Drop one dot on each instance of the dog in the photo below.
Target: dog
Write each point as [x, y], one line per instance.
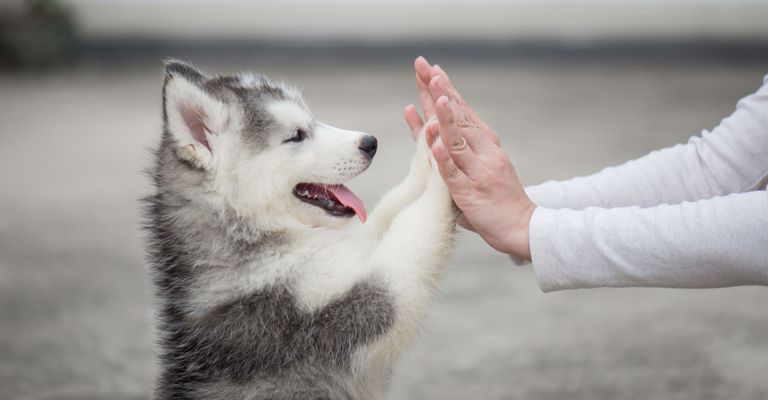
[267, 286]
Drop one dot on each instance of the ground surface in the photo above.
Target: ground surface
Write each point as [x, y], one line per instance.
[74, 299]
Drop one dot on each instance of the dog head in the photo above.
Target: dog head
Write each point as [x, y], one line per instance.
[250, 146]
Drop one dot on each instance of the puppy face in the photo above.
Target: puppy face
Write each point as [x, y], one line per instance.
[252, 146]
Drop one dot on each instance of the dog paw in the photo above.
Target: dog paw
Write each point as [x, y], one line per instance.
[436, 184]
[423, 149]
[420, 163]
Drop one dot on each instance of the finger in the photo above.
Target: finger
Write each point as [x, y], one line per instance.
[448, 89]
[437, 88]
[465, 126]
[456, 181]
[427, 104]
[422, 68]
[463, 156]
[432, 132]
[468, 128]
[452, 92]
[413, 119]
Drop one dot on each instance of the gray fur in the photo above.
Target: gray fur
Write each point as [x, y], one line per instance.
[251, 98]
[260, 345]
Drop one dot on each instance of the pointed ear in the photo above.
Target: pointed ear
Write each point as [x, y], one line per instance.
[174, 67]
[193, 117]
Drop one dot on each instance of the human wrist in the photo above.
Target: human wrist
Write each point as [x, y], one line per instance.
[518, 239]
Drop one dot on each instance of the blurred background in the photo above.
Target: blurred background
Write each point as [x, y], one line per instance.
[572, 86]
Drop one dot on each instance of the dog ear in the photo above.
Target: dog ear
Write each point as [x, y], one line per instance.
[193, 117]
[174, 67]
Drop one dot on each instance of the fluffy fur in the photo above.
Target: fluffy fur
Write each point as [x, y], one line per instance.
[261, 295]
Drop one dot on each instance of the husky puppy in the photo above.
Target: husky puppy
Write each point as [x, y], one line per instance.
[267, 286]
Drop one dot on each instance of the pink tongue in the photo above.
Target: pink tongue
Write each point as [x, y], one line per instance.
[349, 199]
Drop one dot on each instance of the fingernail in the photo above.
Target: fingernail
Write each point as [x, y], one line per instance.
[439, 83]
[421, 58]
[443, 100]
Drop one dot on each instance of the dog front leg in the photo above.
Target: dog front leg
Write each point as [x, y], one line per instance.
[413, 252]
[406, 192]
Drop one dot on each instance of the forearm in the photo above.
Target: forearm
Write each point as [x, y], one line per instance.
[709, 243]
[730, 159]
[665, 176]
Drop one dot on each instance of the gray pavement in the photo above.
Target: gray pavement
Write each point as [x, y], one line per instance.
[74, 298]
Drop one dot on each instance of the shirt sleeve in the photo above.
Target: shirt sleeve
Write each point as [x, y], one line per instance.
[722, 241]
[732, 158]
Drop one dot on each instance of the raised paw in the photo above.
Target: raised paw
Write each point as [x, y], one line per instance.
[422, 161]
[437, 189]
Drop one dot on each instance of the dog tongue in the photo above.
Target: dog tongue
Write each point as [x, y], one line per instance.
[349, 199]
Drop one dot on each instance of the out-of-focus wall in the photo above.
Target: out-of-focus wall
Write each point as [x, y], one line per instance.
[403, 20]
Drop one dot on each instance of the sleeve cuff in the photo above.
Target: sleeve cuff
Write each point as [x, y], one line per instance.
[540, 232]
[547, 257]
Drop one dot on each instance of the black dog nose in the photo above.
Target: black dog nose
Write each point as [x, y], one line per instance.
[368, 145]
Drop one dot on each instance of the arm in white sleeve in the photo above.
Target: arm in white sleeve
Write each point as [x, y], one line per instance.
[717, 242]
[732, 158]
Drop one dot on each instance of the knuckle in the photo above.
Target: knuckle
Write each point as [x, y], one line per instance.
[459, 145]
[499, 160]
[465, 121]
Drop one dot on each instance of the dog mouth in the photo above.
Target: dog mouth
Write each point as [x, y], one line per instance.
[336, 200]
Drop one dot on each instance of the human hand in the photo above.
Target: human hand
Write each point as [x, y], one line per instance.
[480, 176]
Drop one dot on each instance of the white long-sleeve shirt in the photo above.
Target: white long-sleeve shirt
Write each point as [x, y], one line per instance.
[694, 215]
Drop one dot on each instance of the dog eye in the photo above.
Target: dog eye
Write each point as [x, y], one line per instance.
[299, 135]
